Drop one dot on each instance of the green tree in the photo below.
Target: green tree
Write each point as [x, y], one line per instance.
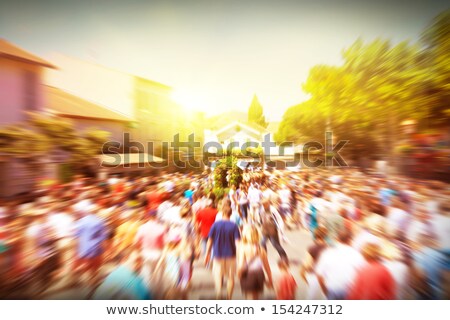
[377, 86]
[256, 113]
[436, 65]
[43, 134]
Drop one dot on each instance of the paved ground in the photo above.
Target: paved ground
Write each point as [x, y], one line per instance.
[202, 281]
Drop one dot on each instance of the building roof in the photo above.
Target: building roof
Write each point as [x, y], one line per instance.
[66, 104]
[256, 126]
[10, 51]
[218, 121]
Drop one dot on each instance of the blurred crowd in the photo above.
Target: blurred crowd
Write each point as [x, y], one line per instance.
[369, 237]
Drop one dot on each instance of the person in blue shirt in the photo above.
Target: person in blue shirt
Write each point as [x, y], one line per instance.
[91, 233]
[432, 264]
[223, 239]
[386, 193]
[189, 194]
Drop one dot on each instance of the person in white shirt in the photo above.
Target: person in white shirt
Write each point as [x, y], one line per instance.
[254, 198]
[285, 196]
[397, 217]
[200, 202]
[337, 267]
[163, 207]
[233, 198]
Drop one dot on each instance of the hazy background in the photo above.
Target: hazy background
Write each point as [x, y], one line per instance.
[217, 53]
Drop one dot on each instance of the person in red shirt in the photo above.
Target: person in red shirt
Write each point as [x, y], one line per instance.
[154, 199]
[287, 286]
[373, 281]
[204, 219]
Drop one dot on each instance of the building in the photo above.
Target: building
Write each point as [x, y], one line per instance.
[85, 114]
[239, 134]
[21, 91]
[21, 75]
[155, 117]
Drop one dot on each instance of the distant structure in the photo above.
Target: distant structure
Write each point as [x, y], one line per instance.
[21, 91]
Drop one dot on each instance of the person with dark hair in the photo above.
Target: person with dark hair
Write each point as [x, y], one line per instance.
[272, 226]
[223, 238]
[253, 264]
[204, 219]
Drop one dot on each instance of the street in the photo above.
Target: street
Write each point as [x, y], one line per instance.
[202, 280]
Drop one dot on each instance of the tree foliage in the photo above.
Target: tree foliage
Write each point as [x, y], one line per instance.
[377, 86]
[227, 166]
[256, 113]
[43, 134]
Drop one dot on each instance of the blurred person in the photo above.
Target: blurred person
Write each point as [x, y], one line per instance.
[169, 267]
[318, 208]
[204, 220]
[253, 264]
[169, 186]
[373, 281]
[337, 267]
[243, 202]
[284, 193]
[223, 239]
[169, 202]
[189, 194]
[17, 250]
[171, 215]
[200, 201]
[386, 192]
[371, 229]
[420, 224]
[272, 228]
[397, 217]
[150, 240]
[428, 268]
[124, 282]
[90, 233]
[35, 220]
[42, 256]
[126, 232]
[254, 197]
[154, 198]
[269, 193]
[394, 262]
[235, 217]
[233, 197]
[190, 250]
[334, 222]
[304, 211]
[286, 284]
[63, 225]
[307, 270]
[440, 223]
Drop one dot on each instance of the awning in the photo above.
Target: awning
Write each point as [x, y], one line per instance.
[128, 158]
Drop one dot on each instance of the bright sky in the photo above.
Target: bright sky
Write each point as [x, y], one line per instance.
[216, 54]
